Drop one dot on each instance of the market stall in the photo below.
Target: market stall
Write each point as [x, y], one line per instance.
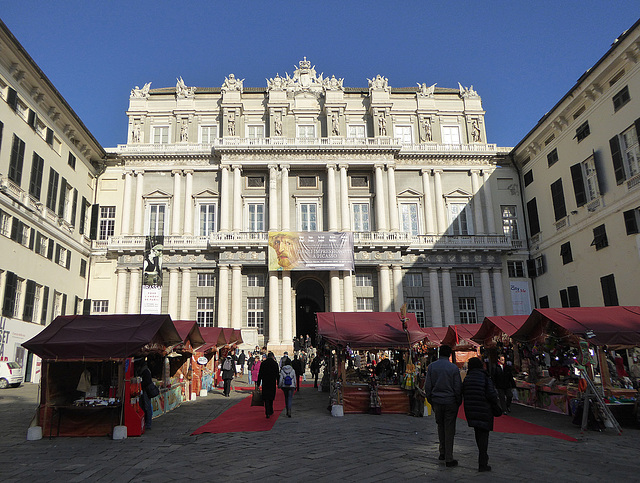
[185, 362]
[459, 338]
[206, 356]
[381, 332]
[89, 384]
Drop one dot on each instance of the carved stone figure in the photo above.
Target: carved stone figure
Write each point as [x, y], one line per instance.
[335, 125]
[231, 124]
[427, 135]
[382, 125]
[275, 84]
[425, 91]
[475, 131]
[144, 92]
[467, 92]
[184, 132]
[277, 125]
[379, 83]
[232, 84]
[182, 91]
[136, 133]
[333, 84]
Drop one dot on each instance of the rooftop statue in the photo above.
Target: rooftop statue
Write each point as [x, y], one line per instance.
[379, 83]
[232, 84]
[144, 92]
[424, 91]
[467, 92]
[182, 91]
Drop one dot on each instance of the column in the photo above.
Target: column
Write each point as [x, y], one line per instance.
[397, 287]
[477, 202]
[126, 204]
[287, 320]
[498, 289]
[331, 198]
[447, 297]
[236, 296]
[347, 282]
[139, 204]
[434, 293]
[237, 198]
[384, 288]
[428, 200]
[285, 224]
[486, 188]
[223, 296]
[134, 291]
[485, 285]
[393, 199]
[441, 219]
[273, 198]
[175, 212]
[334, 278]
[121, 290]
[344, 199]
[274, 319]
[188, 204]
[381, 219]
[225, 196]
[174, 277]
[185, 296]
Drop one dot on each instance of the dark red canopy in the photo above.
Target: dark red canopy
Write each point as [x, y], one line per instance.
[492, 326]
[370, 330]
[461, 334]
[435, 334]
[103, 336]
[612, 326]
[214, 337]
[189, 330]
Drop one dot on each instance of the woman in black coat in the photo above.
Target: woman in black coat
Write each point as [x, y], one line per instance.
[479, 394]
[268, 376]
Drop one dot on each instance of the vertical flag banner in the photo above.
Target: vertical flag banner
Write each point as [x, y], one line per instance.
[151, 298]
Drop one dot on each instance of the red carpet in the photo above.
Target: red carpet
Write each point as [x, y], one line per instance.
[509, 424]
[243, 417]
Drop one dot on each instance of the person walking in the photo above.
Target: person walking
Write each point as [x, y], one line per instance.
[228, 373]
[250, 361]
[297, 367]
[315, 369]
[255, 368]
[443, 390]
[241, 359]
[503, 381]
[287, 383]
[479, 395]
[268, 377]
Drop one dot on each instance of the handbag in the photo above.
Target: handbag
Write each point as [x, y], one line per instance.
[152, 390]
[256, 398]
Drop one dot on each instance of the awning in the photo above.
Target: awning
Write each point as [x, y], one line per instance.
[496, 325]
[189, 331]
[370, 330]
[214, 338]
[103, 336]
[461, 335]
[435, 335]
[612, 326]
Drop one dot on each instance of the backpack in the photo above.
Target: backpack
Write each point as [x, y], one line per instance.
[227, 365]
[287, 380]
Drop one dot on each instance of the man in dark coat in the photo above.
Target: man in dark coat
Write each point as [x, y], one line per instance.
[297, 367]
[228, 373]
[268, 377]
[479, 394]
[503, 381]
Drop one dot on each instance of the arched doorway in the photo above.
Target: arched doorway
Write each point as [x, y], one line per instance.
[309, 300]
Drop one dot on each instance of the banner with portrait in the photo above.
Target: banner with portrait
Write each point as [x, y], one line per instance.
[151, 297]
[310, 250]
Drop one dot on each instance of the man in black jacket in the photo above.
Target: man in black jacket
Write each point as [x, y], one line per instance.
[503, 381]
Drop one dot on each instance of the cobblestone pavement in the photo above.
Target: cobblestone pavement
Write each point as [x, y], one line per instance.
[310, 446]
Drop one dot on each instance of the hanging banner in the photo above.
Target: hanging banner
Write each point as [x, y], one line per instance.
[520, 300]
[151, 298]
[310, 250]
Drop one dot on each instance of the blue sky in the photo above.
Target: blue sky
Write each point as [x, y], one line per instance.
[521, 57]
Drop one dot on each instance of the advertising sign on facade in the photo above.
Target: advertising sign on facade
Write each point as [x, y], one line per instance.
[151, 298]
[520, 301]
[314, 250]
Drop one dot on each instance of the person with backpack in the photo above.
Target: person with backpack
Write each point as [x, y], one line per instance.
[287, 383]
[228, 373]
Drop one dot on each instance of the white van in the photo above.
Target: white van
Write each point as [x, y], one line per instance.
[10, 374]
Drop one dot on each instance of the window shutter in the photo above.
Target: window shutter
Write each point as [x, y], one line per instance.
[609, 292]
[45, 302]
[32, 119]
[15, 229]
[32, 238]
[531, 268]
[63, 192]
[544, 302]
[58, 249]
[95, 214]
[9, 294]
[16, 161]
[38, 242]
[630, 222]
[574, 298]
[83, 214]
[49, 137]
[50, 250]
[35, 183]
[74, 206]
[557, 195]
[30, 294]
[578, 184]
[532, 212]
[63, 309]
[52, 193]
[616, 157]
[68, 264]
[12, 98]
[86, 307]
[637, 125]
[75, 305]
[564, 298]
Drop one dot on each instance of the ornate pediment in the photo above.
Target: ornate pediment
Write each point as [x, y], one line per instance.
[158, 194]
[458, 193]
[305, 80]
[206, 194]
[409, 193]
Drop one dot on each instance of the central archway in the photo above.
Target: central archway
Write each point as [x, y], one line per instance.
[309, 300]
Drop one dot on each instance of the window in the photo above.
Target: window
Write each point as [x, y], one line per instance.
[308, 213]
[600, 237]
[255, 181]
[255, 280]
[208, 134]
[359, 181]
[307, 182]
[621, 98]
[515, 268]
[510, 221]
[572, 294]
[18, 298]
[4, 223]
[255, 313]
[632, 221]
[416, 306]
[565, 253]
[557, 196]
[35, 181]
[52, 192]
[84, 218]
[9, 296]
[583, 131]
[207, 219]
[107, 222]
[160, 135]
[360, 216]
[72, 161]
[629, 152]
[364, 280]
[204, 313]
[528, 178]
[564, 298]
[413, 279]
[206, 279]
[403, 134]
[536, 266]
[12, 98]
[29, 300]
[467, 306]
[83, 268]
[464, 279]
[99, 306]
[64, 207]
[585, 181]
[255, 217]
[532, 212]
[552, 157]
[544, 302]
[409, 218]
[364, 304]
[41, 244]
[16, 161]
[459, 222]
[450, 135]
[609, 292]
[306, 131]
[357, 131]
[156, 218]
[63, 256]
[255, 131]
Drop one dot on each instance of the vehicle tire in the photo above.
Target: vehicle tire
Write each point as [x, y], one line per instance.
[17, 384]
[4, 383]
